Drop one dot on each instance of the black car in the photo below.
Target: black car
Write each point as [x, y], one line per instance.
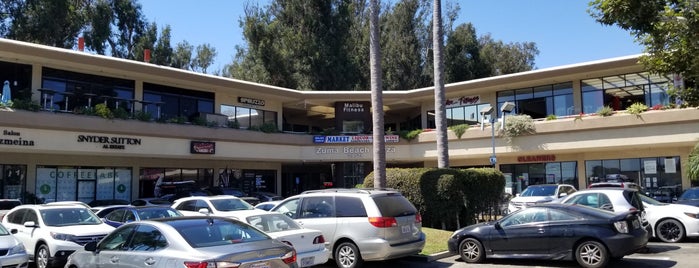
[553, 231]
[689, 197]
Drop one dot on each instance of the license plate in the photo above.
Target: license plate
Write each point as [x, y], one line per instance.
[260, 265]
[307, 261]
[405, 229]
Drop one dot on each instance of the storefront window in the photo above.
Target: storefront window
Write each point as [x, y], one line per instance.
[61, 183]
[621, 91]
[160, 181]
[520, 176]
[12, 181]
[75, 90]
[541, 101]
[469, 114]
[248, 117]
[176, 102]
[649, 173]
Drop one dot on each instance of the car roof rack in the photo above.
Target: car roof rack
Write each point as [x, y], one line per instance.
[347, 190]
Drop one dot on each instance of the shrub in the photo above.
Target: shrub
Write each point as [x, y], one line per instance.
[410, 135]
[121, 113]
[199, 121]
[233, 124]
[103, 111]
[605, 111]
[26, 104]
[143, 116]
[178, 120]
[637, 108]
[459, 130]
[551, 117]
[517, 125]
[268, 128]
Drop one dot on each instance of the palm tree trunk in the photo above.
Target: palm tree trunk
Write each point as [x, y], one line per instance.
[379, 142]
[439, 94]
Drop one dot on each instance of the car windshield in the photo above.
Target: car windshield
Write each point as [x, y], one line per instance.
[3, 231]
[230, 204]
[155, 213]
[69, 216]
[651, 201]
[690, 194]
[271, 223]
[217, 232]
[540, 190]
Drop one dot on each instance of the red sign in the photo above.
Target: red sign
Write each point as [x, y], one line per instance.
[202, 147]
[537, 158]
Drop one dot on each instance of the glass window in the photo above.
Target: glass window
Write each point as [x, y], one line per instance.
[289, 208]
[530, 215]
[117, 239]
[12, 181]
[352, 126]
[317, 207]
[147, 238]
[349, 207]
[117, 215]
[541, 101]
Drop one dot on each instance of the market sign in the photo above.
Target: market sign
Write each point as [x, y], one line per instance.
[202, 147]
[353, 139]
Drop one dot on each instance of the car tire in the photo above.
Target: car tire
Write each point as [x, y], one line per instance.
[670, 231]
[41, 258]
[471, 250]
[591, 254]
[347, 256]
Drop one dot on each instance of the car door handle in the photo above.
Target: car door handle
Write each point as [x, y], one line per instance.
[542, 230]
[114, 259]
[150, 261]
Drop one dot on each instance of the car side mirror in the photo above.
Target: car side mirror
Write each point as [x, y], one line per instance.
[204, 211]
[30, 224]
[91, 246]
[13, 231]
[497, 225]
[561, 195]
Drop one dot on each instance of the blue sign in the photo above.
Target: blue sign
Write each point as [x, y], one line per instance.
[318, 139]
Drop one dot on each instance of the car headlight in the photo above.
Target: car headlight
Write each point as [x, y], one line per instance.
[60, 236]
[693, 215]
[17, 249]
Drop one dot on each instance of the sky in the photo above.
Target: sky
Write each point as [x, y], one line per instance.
[562, 29]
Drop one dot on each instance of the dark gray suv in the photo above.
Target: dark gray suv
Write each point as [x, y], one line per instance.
[359, 224]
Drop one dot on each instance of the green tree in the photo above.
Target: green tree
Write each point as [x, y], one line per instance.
[99, 30]
[500, 58]
[401, 62]
[668, 29]
[130, 24]
[693, 164]
[182, 56]
[462, 52]
[48, 22]
[204, 58]
[163, 52]
[379, 143]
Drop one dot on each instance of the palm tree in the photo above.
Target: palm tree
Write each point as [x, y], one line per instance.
[439, 95]
[377, 98]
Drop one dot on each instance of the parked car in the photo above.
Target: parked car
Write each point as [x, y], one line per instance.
[181, 194]
[358, 224]
[50, 233]
[151, 201]
[203, 241]
[128, 214]
[7, 204]
[539, 193]
[689, 197]
[219, 205]
[266, 196]
[667, 194]
[308, 243]
[14, 252]
[617, 200]
[108, 202]
[267, 205]
[611, 184]
[103, 211]
[553, 231]
[671, 222]
[226, 191]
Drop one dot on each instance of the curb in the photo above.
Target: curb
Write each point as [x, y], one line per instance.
[430, 258]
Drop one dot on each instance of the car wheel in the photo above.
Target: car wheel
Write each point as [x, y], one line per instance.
[41, 258]
[347, 256]
[591, 254]
[471, 250]
[670, 231]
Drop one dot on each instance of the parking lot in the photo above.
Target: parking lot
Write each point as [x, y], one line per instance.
[658, 255]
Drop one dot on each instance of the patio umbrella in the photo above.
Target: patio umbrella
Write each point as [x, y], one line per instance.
[6, 94]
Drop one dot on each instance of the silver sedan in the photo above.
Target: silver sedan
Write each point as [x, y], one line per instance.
[199, 241]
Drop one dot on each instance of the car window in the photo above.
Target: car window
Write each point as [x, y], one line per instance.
[540, 190]
[559, 215]
[147, 238]
[525, 216]
[116, 215]
[317, 207]
[270, 223]
[117, 239]
[634, 198]
[230, 204]
[219, 232]
[288, 208]
[16, 216]
[129, 216]
[346, 206]
[68, 216]
[138, 203]
[201, 204]
[394, 205]
[605, 202]
[30, 215]
[188, 205]
[588, 199]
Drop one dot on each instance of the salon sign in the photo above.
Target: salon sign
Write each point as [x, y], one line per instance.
[463, 101]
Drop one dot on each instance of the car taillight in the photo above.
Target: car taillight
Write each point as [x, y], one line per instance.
[418, 217]
[289, 257]
[383, 222]
[621, 226]
[319, 240]
[210, 264]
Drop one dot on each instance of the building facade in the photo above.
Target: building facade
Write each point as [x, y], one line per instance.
[107, 128]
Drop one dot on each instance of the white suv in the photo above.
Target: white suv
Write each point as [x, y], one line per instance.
[539, 193]
[51, 233]
[219, 205]
[359, 224]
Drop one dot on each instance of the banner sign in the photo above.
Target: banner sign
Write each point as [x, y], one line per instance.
[353, 139]
[202, 147]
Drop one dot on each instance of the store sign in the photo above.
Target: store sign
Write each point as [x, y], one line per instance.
[118, 143]
[353, 107]
[353, 139]
[251, 101]
[536, 158]
[351, 151]
[13, 138]
[463, 101]
[202, 147]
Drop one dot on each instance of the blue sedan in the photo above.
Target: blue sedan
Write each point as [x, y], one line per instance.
[123, 215]
[553, 231]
